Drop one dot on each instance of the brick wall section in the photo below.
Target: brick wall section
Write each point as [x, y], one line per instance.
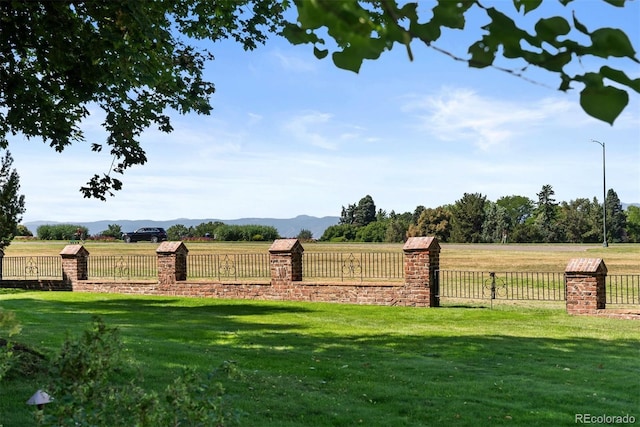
[585, 280]
[172, 262]
[421, 262]
[339, 292]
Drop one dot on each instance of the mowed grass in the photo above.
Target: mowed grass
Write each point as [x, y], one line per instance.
[319, 364]
[619, 258]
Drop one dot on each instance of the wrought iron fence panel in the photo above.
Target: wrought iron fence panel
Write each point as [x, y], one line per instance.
[31, 267]
[461, 284]
[321, 265]
[353, 266]
[123, 267]
[229, 266]
[501, 285]
[623, 289]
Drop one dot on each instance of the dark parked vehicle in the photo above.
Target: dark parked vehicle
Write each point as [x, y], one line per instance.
[145, 234]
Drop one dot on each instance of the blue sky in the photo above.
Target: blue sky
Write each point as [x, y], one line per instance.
[291, 135]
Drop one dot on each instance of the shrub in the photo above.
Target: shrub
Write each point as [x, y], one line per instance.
[61, 231]
[86, 390]
[10, 326]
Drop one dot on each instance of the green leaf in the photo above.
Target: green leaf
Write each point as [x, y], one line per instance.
[451, 13]
[549, 29]
[611, 42]
[620, 77]
[482, 54]
[528, 5]
[548, 61]
[616, 3]
[347, 61]
[409, 10]
[428, 32]
[297, 35]
[603, 102]
[320, 53]
[580, 26]
[502, 30]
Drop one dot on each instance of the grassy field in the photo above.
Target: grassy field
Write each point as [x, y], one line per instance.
[620, 259]
[314, 364]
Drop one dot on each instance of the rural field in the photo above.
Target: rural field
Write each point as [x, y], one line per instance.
[619, 258]
[321, 364]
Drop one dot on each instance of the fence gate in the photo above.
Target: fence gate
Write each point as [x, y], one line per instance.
[491, 285]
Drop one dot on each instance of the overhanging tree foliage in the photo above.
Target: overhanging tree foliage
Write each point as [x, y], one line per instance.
[11, 203]
[364, 29]
[137, 60]
[132, 59]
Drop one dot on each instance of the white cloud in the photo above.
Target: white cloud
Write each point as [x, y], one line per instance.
[291, 62]
[255, 118]
[458, 114]
[308, 128]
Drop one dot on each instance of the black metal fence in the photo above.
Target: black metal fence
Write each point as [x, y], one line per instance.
[122, 267]
[620, 288]
[31, 267]
[501, 285]
[353, 266]
[234, 266]
[623, 289]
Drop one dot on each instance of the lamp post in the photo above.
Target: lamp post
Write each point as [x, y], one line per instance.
[604, 197]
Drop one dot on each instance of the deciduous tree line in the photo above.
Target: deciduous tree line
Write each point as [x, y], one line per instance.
[224, 232]
[474, 219]
[209, 230]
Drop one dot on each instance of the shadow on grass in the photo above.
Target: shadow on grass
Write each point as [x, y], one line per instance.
[306, 364]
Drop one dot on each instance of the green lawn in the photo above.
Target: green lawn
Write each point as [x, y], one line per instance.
[313, 364]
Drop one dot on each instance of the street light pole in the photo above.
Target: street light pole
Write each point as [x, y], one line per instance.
[604, 196]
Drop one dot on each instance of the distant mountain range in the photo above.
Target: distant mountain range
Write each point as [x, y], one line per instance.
[286, 227]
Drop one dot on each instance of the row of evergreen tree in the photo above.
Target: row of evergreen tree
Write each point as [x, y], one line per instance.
[474, 219]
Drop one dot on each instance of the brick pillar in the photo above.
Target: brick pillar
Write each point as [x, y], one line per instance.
[585, 283]
[286, 260]
[74, 263]
[172, 262]
[421, 264]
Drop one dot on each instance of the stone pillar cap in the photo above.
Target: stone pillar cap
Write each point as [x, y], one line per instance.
[285, 245]
[586, 265]
[172, 247]
[421, 244]
[74, 250]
